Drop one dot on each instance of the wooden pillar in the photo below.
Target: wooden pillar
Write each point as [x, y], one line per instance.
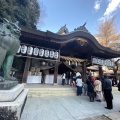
[55, 72]
[84, 71]
[100, 73]
[26, 69]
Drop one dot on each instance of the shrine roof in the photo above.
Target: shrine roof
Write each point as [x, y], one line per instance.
[79, 43]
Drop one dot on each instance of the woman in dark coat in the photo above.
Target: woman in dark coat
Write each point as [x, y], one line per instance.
[91, 92]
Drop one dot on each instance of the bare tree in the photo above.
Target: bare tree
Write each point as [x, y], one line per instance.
[108, 34]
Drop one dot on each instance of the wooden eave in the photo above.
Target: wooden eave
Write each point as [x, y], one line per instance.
[72, 59]
[93, 48]
[68, 44]
[36, 37]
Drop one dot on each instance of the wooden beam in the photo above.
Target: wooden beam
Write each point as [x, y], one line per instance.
[84, 71]
[55, 72]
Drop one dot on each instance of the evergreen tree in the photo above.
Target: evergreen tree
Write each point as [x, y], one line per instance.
[27, 12]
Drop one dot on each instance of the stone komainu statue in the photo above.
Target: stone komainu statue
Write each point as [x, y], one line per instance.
[9, 45]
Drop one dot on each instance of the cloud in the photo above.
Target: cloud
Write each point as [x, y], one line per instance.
[97, 5]
[113, 5]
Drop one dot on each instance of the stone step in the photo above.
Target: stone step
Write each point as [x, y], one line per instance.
[50, 94]
[51, 91]
[114, 89]
[39, 91]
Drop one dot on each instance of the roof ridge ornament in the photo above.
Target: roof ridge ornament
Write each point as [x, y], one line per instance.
[84, 24]
[82, 28]
[63, 30]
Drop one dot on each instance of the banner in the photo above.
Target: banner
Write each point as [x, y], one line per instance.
[102, 62]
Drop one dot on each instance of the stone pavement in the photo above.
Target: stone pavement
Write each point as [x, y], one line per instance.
[70, 108]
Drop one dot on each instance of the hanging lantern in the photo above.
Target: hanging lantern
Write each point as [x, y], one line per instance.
[51, 54]
[36, 51]
[23, 49]
[43, 63]
[46, 53]
[19, 50]
[41, 52]
[51, 64]
[30, 50]
[56, 55]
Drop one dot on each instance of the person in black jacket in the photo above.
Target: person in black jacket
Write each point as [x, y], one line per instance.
[90, 86]
[119, 86]
[107, 88]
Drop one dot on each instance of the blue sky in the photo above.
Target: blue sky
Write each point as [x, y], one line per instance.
[75, 13]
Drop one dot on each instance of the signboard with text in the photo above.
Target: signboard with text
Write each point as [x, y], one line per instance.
[26, 50]
[103, 62]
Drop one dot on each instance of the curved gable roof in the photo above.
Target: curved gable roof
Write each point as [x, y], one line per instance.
[70, 43]
[93, 45]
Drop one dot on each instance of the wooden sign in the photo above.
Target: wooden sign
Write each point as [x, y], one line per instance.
[103, 62]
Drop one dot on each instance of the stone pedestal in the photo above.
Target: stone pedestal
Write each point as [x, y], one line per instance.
[12, 102]
[6, 85]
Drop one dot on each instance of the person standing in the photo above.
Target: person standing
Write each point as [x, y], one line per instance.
[63, 78]
[118, 86]
[74, 79]
[91, 92]
[71, 78]
[43, 77]
[67, 77]
[98, 90]
[107, 88]
[79, 85]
